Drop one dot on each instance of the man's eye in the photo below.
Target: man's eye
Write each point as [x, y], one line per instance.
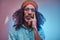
[33, 10]
[26, 9]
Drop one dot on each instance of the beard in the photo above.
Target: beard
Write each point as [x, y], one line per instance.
[27, 18]
[27, 21]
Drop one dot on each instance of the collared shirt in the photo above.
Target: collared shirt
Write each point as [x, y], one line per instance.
[24, 34]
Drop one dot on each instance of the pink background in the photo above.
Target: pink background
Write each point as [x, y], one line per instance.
[49, 8]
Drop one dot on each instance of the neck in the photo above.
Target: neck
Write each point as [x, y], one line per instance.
[27, 25]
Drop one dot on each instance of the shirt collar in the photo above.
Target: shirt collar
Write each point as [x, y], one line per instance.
[23, 26]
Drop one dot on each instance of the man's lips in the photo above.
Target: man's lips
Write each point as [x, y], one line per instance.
[28, 17]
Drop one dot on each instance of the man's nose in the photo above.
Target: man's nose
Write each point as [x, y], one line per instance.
[29, 11]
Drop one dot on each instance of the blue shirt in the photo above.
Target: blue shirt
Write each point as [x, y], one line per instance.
[24, 34]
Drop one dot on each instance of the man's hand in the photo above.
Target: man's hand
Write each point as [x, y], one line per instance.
[34, 22]
[34, 26]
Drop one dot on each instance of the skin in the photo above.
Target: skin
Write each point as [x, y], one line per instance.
[31, 21]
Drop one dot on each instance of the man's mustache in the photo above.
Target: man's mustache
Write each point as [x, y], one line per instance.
[29, 15]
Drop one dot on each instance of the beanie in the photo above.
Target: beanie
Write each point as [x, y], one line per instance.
[30, 2]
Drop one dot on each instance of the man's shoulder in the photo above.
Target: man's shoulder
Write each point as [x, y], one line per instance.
[12, 31]
[41, 33]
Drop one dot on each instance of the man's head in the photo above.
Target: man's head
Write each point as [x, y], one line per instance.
[30, 7]
[29, 11]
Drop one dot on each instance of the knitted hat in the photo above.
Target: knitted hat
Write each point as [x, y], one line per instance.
[30, 2]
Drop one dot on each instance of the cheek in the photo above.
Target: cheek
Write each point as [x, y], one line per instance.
[25, 13]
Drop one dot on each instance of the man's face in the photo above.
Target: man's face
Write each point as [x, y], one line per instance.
[29, 12]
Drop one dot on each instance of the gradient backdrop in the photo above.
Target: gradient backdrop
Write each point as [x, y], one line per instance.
[49, 8]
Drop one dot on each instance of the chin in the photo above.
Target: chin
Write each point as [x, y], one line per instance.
[27, 19]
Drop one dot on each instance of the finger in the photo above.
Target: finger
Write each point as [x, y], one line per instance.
[34, 16]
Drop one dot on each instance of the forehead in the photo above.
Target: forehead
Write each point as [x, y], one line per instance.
[29, 6]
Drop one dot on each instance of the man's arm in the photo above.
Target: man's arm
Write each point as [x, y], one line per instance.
[37, 37]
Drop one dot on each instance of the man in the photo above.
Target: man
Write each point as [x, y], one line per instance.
[28, 23]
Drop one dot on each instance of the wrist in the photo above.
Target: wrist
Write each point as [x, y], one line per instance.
[35, 28]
